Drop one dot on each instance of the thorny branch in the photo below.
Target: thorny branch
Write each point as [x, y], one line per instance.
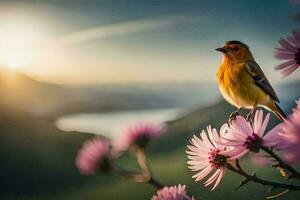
[254, 178]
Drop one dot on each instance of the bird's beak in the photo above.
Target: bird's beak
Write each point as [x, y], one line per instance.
[222, 49]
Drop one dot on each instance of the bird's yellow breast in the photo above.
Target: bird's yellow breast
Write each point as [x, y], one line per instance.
[238, 87]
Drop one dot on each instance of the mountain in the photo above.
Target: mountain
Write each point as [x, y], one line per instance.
[115, 97]
[21, 92]
[50, 101]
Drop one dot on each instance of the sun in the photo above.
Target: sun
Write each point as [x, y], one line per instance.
[13, 65]
[15, 57]
[17, 43]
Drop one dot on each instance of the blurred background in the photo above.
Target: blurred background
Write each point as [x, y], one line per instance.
[71, 69]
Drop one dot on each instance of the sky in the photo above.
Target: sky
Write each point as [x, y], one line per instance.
[138, 41]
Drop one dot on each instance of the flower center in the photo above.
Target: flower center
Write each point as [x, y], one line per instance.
[105, 165]
[142, 140]
[297, 57]
[253, 143]
[216, 159]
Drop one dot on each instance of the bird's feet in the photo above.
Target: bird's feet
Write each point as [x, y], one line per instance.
[233, 116]
[250, 116]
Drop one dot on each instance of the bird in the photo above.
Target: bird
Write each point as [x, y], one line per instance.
[242, 82]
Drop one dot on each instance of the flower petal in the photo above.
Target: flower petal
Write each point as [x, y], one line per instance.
[284, 43]
[199, 176]
[263, 127]
[212, 178]
[221, 175]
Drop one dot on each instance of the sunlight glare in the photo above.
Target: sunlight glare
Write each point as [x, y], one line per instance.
[17, 42]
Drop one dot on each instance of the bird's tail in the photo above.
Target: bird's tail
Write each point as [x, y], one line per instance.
[274, 107]
[279, 112]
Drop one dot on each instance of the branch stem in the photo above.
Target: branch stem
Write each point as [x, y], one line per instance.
[144, 175]
[281, 163]
[254, 178]
[142, 161]
[138, 177]
[155, 183]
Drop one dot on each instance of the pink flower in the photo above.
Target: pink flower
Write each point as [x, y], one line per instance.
[289, 51]
[138, 135]
[246, 138]
[94, 156]
[172, 193]
[290, 138]
[206, 155]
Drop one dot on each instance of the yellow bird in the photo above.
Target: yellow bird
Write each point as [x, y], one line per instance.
[242, 82]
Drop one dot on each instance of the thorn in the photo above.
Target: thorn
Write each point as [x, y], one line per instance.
[237, 164]
[244, 182]
[290, 176]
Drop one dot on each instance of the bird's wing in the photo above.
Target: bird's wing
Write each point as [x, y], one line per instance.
[260, 79]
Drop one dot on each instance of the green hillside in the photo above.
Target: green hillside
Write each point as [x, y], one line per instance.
[37, 159]
[34, 155]
[37, 162]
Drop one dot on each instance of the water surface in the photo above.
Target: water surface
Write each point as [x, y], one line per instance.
[112, 124]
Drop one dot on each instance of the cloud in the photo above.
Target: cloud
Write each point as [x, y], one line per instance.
[123, 28]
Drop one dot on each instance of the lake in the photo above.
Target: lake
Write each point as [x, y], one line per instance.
[112, 124]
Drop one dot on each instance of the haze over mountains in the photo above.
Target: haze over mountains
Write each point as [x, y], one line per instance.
[23, 93]
[49, 100]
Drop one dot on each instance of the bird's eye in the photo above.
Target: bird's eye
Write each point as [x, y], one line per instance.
[235, 48]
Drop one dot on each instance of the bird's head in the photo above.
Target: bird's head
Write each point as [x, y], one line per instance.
[236, 51]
